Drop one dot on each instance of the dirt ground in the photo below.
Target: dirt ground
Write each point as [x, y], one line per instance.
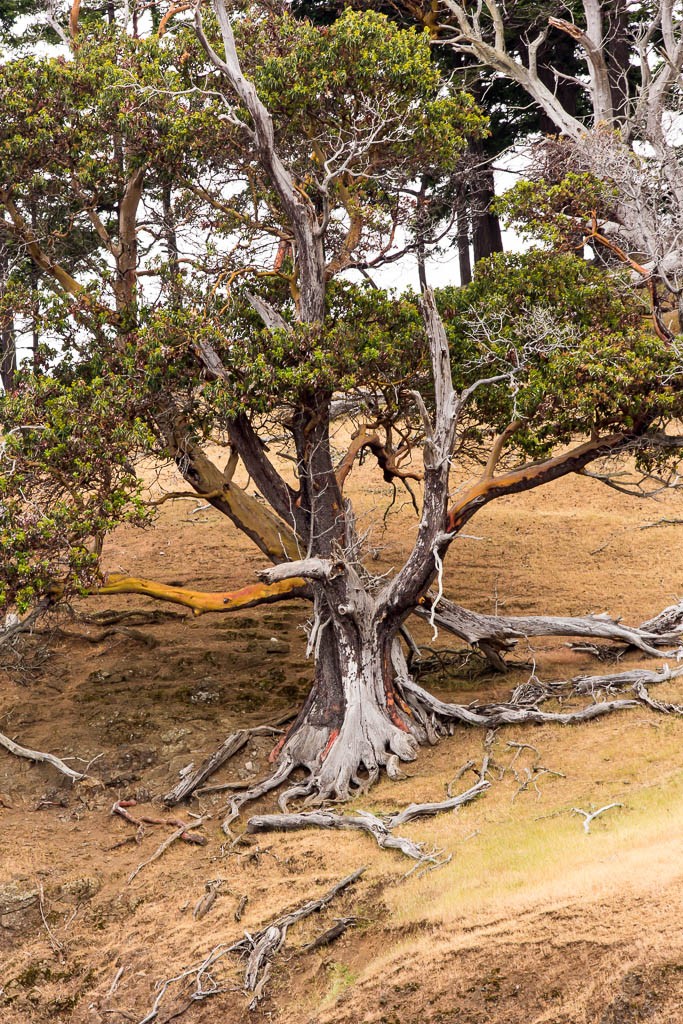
[532, 921]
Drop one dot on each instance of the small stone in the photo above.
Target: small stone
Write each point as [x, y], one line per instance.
[275, 646]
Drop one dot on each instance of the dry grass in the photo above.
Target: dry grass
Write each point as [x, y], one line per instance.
[532, 921]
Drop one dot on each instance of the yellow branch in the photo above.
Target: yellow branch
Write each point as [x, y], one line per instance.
[202, 601]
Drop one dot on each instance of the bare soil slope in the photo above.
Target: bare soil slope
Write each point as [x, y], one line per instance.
[532, 921]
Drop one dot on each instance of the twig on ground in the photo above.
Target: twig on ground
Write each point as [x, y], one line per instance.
[655, 705]
[244, 899]
[458, 775]
[57, 946]
[590, 816]
[115, 983]
[38, 755]
[206, 902]
[183, 832]
[23, 625]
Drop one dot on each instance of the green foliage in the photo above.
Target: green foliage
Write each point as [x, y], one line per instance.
[360, 111]
[363, 77]
[65, 480]
[556, 213]
[578, 353]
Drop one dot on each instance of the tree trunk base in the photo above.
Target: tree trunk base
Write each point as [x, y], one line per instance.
[338, 764]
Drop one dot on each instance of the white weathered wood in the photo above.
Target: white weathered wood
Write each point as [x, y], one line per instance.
[39, 755]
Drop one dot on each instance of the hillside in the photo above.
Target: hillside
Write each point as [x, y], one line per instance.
[533, 920]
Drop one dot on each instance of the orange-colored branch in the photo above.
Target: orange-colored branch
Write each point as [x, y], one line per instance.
[73, 18]
[173, 495]
[497, 449]
[202, 601]
[526, 477]
[661, 330]
[386, 458]
[171, 13]
[360, 439]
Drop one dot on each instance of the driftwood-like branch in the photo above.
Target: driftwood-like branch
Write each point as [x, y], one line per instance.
[380, 828]
[187, 785]
[476, 628]
[331, 935]
[230, 746]
[621, 680]
[589, 816]
[655, 705]
[198, 981]
[39, 755]
[363, 821]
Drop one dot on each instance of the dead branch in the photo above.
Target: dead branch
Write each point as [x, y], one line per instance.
[187, 785]
[478, 629]
[509, 714]
[655, 705]
[590, 816]
[331, 935]
[259, 948]
[661, 522]
[183, 832]
[207, 900]
[38, 755]
[363, 822]
[621, 680]
[230, 746]
[23, 625]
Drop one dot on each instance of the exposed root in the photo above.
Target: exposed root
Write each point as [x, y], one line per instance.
[184, 831]
[507, 714]
[621, 680]
[198, 982]
[379, 828]
[256, 792]
[343, 763]
[191, 780]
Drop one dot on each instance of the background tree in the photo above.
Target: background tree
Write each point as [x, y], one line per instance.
[619, 121]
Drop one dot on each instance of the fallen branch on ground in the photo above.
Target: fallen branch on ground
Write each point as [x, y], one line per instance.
[380, 828]
[260, 949]
[662, 707]
[39, 755]
[331, 935]
[230, 746]
[590, 816]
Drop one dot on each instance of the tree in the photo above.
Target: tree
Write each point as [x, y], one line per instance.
[230, 185]
[624, 130]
